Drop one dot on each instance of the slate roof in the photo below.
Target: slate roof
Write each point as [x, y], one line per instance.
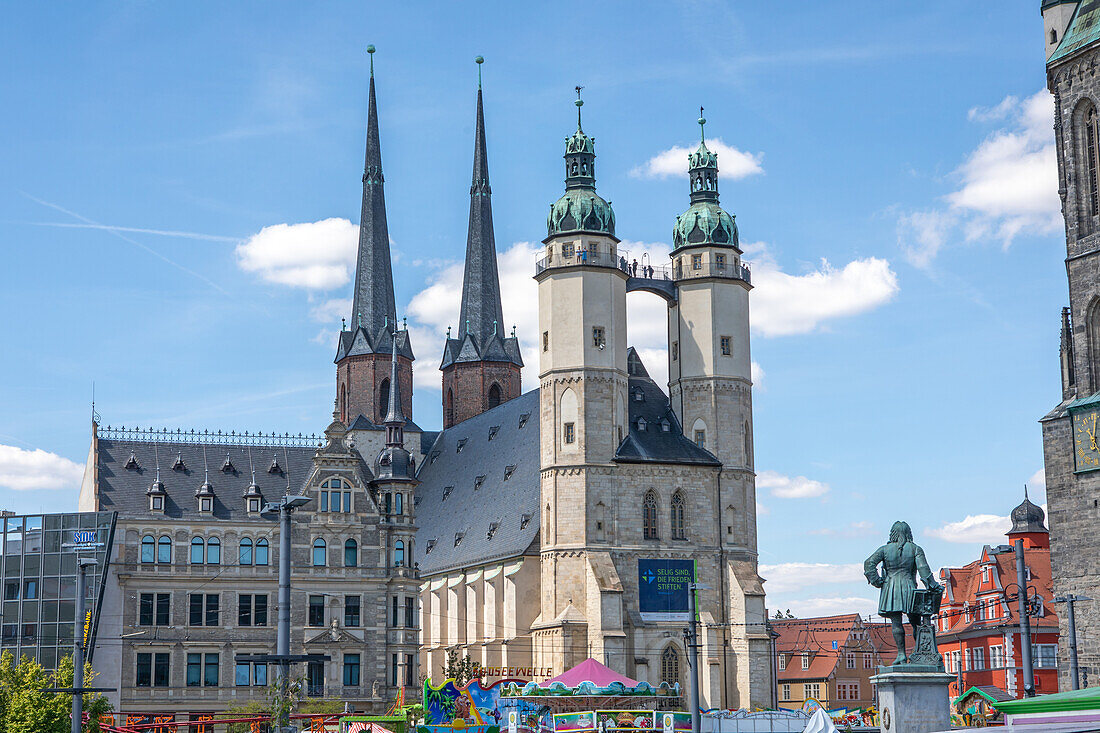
[123, 489]
[1084, 30]
[662, 439]
[450, 502]
[361, 340]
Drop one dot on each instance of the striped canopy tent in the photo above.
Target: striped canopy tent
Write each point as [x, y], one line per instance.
[594, 686]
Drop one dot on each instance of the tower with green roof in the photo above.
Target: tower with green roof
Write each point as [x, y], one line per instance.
[1071, 455]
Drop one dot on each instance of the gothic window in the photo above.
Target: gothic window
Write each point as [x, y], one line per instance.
[1092, 323]
[399, 554]
[1091, 152]
[344, 403]
[494, 395]
[351, 553]
[678, 516]
[649, 516]
[320, 553]
[747, 436]
[148, 548]
[670, 666]
[449, 409]
[1053, 36]
[383, 399]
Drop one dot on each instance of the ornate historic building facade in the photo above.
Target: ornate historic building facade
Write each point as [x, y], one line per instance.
[531, 532]
[1072, 456]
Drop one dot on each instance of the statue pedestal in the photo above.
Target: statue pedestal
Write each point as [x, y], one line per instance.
[912, 699]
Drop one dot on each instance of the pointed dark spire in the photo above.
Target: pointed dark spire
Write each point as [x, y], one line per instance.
[373, 299]
[480, 283]
[395, 419]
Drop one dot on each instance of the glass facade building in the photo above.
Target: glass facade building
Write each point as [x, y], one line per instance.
[39, 578]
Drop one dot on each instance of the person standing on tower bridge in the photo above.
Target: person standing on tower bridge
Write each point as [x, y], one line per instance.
[902, 560]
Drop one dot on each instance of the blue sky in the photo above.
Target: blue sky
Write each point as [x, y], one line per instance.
[891, 167]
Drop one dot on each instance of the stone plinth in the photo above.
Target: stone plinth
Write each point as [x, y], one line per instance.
[913, 701]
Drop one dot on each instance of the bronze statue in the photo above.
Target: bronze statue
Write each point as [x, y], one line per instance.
[902, 560]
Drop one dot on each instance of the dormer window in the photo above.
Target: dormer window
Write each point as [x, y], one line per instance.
[508, 471]
[275, 467]
[254, 506]
[461, 445]
[206, 504]
[639, 395]
[227, 467]
[179, 465]
[641, 424]
[458, 538]
[524, 520]
[493, 431]
[523, 418]
[447, 491]
[478, 481]
[435, 454]
[665, 426]
[156, 503]
[429, 546]
[492, 530]
[131, 462]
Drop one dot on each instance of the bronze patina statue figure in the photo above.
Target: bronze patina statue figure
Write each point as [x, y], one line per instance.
[902, 561]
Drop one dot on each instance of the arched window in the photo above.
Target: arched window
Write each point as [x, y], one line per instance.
[649, 516]
[262, 553]
[568, 417]
[398, 503]
[383, 399]
[148, 548]
[1092, 150]
[699, 433]
[246, 551]
[678, 516]
[747, 436]
[319, 553]
[670, 666]
[399, 554]
[344, 403]
[449, 409]
[164, 550]
[1092, 326]
[494, 395]
[197, 547]
[351, 554]
[213, 551]
[1053, 36]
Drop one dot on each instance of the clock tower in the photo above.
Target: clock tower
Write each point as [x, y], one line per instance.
[1071, 454]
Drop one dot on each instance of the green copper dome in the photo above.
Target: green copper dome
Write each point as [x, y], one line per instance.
[580, 209]
[704, 222]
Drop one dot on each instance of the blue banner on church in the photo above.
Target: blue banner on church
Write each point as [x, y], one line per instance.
[663, 589]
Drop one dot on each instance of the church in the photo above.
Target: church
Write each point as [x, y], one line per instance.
[532, 532]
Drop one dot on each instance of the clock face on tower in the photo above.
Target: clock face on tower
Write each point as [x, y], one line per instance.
[1086, 451]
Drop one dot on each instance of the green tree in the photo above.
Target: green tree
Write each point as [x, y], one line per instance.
[26, 708]
[460, 669]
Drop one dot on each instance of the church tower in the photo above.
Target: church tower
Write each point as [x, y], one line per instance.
[1070, 449]
[582, 396]
[710, 390]
[363, 354]
[481, 365]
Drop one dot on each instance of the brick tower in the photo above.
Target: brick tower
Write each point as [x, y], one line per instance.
[363, 355]
[481, 366]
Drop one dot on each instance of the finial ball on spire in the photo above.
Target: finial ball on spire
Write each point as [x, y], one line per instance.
[479, 59]
[370, 48]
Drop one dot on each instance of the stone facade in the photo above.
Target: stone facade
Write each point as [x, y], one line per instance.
[1072, 496]
[468, 388]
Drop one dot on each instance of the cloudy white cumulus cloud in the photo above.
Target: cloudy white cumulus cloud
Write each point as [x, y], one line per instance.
[1007, 186]
[30, 470]
[790, 577]
[732, 163]
[316, 255]
[790, 487]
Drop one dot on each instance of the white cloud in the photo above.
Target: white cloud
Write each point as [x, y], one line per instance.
[317, 255]
[791, 577]
[784, 304]
[732, 163]
[331, 310]
[758, 375]
[1007, 186]
[832, 606]
[790, 487]
[761, 510]
[29, 470]
[986, 529]
[853, 529]
[1038, 481]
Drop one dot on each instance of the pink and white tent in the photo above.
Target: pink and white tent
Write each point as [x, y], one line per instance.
[590, 671]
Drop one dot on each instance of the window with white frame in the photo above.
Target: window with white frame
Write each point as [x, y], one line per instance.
[805, 660]
[996, 656]
[786, 692]
[813, 689]
[335, 496]
[978, 658]
[850, 660]
[1045, 655]
[847, 690]
[867, 660]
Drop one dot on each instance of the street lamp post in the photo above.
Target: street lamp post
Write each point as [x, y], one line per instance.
[1025, 622]
[83, 563]
[1069, 599]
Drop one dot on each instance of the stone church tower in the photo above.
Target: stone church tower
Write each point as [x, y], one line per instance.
[363, 354]
[621, 487]
[481, 365]
[1072, 456]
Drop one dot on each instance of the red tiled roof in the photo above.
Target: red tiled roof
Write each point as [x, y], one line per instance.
[968, 589]
[816, 636]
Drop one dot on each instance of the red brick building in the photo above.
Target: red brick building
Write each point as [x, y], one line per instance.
[978, 626]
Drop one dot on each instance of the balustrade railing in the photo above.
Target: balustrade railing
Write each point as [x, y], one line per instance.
[622, 261]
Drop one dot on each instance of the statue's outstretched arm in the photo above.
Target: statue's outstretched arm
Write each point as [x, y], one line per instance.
[870, 568]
